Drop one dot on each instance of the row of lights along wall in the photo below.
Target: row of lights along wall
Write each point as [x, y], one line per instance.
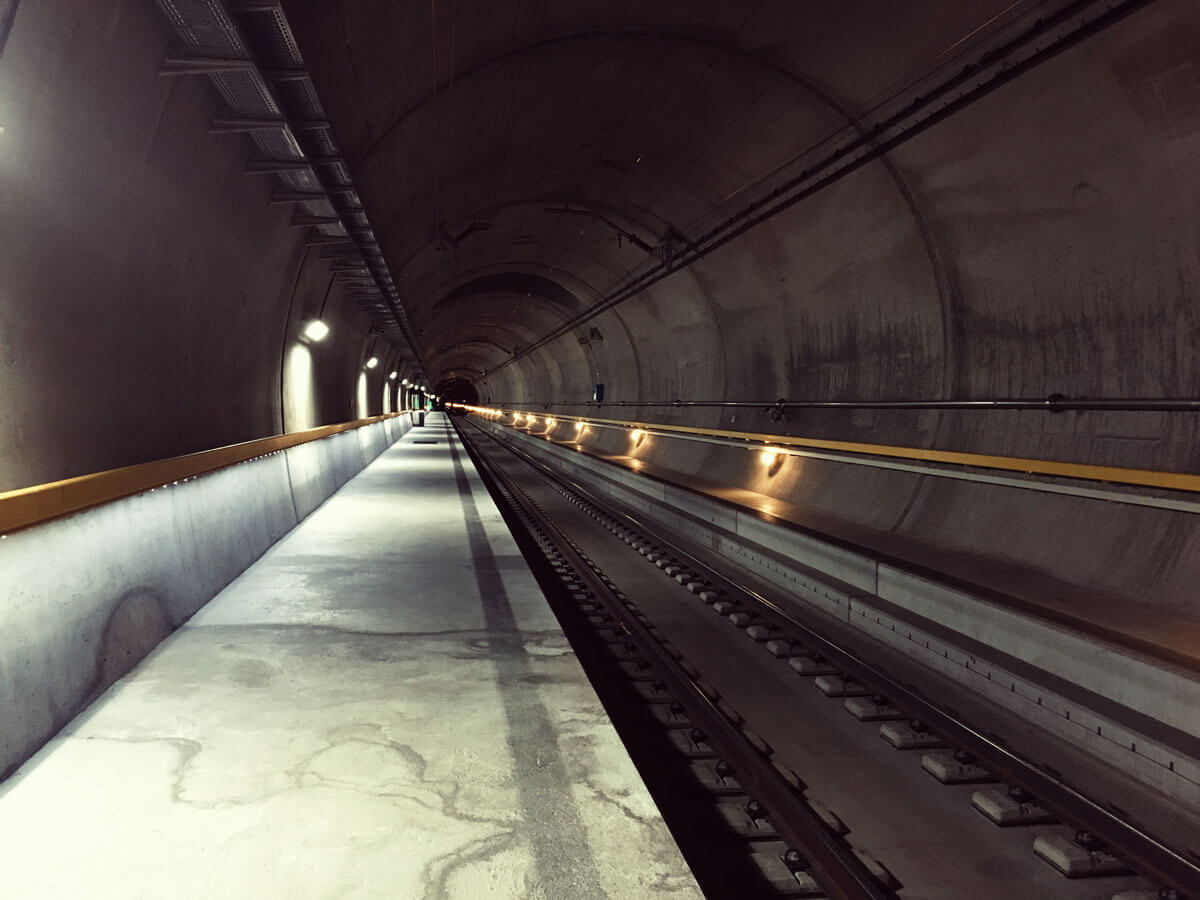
[416, 396]
[770, 456]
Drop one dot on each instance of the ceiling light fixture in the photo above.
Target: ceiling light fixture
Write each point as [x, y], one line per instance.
[372, 362]
[316, 330]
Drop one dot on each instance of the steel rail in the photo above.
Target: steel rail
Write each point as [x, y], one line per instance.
[1145, 852]
[835, 866]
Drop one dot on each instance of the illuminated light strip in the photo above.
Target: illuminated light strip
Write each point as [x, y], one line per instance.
[1173, 481]
[24, 507]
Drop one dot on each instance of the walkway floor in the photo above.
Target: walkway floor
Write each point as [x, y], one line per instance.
[382, 706]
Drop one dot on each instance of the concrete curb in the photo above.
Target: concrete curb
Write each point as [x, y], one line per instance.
[88, 596]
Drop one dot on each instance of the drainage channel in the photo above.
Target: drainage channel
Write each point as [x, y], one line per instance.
[1079, 838]
[759, 836]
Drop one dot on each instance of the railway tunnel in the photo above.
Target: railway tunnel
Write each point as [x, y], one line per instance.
[367, 365]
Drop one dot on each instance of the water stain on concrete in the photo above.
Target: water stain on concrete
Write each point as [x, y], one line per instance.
[137, 624]
[251, 673]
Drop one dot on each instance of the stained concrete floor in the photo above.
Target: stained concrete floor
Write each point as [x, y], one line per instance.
[382, 706]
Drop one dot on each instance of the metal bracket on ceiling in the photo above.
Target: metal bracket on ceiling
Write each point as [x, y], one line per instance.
[622, 233]
[202, 65]
[239, 125]
[302, 220]
[339, 252]
[247, 51]
[260, 165]
[284, 196]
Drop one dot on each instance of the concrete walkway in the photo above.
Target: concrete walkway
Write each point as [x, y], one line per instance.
[382, 706]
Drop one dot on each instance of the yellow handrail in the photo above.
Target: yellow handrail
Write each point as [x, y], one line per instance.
[1174, 481]
[40, 503]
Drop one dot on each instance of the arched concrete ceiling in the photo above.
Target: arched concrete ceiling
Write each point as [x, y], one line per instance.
[518, 160]
[465, 123]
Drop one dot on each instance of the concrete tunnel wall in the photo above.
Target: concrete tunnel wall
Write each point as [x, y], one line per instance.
[1043, 240]
[67, 632]
[1050, 245]
[151, 298]
[151, 304]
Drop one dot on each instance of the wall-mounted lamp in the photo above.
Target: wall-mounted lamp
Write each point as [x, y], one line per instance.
[772, 458]
[316, 330]
[392, 376]
[372, 362]
[404, 381]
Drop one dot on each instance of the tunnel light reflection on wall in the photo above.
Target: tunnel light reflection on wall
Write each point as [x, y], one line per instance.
[772, 458]
[361, 409]
[550, 423]
[316, 330]
[299, 394]
[372, 362]
[637, 434]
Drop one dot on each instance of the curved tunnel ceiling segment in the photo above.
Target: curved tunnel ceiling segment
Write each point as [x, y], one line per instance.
[477, 299]
[511, 333]
[844, 114]
[622, 215]
[518, 288]
[703, 39]
[514, 283]
[851, 114]
[504, 125]
[577, 249]
[494, 338]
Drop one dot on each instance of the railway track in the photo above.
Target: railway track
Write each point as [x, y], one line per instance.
[731, 693]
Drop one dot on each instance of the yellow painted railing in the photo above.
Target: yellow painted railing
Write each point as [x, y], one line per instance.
[32, 505]
[1174, 481]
